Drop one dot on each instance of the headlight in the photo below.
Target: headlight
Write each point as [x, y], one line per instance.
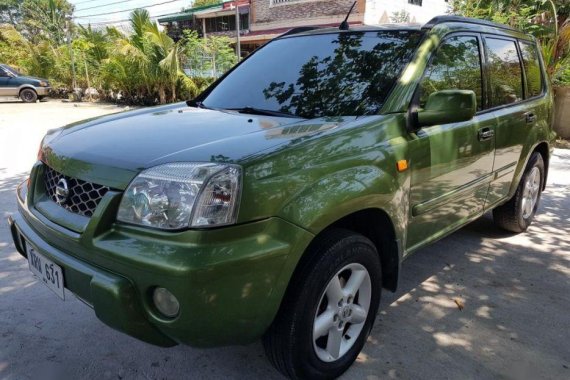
[44, 84]
[182, 195]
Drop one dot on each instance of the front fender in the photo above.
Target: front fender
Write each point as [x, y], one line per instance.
[345, 192]
[26, 85]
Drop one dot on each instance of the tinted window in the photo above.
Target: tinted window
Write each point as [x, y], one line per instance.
[531, 69]
[2, 73]
[505, 72]
[455, 66]
[319, 75]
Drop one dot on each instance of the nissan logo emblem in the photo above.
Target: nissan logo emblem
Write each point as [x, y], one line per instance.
[61, 191]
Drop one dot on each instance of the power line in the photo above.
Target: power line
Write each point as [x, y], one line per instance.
[104, 5]
[125, 20]
[126, 10]
[83, 2]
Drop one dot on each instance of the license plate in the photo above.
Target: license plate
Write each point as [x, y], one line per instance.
[46, 270]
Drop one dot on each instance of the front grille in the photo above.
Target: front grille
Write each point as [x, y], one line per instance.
[82, 197]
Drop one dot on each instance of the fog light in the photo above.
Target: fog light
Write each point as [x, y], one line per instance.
[165, 302]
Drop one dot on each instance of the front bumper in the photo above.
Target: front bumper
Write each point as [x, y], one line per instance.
[229, 281]
[43, 91]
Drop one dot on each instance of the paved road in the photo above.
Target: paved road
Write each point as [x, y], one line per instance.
[515, 290]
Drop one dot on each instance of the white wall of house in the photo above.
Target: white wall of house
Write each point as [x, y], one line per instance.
[380, 11]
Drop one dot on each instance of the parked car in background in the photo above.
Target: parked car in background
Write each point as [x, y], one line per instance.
[29, 89]
[280, 202]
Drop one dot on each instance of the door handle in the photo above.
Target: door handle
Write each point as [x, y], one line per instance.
[486, 134]
[530, 117]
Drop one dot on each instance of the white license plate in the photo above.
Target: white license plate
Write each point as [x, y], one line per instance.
[46, 270]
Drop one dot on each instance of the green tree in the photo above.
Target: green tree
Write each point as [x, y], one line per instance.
[147, 63]
[201, 3]
[213, 53]
[548, 20]
[45, 20]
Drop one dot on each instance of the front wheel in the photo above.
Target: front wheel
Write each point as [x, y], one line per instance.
[329, 308]
[28, 95]
[517, 214]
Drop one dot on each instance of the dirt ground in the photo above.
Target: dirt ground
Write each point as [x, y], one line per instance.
[514, 289]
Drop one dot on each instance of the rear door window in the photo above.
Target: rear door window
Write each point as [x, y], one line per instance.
[531, 69]
[456, 65]
[505, 74]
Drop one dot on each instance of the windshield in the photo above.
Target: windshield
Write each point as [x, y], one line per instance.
[319, 75]
[11, 70]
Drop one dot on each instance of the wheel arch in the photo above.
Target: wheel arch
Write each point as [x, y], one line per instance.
[26, 87]
[376, 225]
[544, 150]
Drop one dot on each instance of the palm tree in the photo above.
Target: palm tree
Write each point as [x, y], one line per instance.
[154, 55]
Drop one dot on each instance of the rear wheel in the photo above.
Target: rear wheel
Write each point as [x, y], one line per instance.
[517, 214]
[28, 95]
[329, 308]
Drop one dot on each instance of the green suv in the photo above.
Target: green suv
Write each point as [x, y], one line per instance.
[29, 89]
[281, 201]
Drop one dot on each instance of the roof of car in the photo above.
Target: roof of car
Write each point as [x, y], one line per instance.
[411, 27]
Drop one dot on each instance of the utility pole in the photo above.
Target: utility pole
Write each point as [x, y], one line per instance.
[238, 44]
[73, 83]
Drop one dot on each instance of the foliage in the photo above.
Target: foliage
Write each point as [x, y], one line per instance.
[212, 54]
[400, 17]
[141, 68]
[10, 12]
[202, 3]
[548, 20]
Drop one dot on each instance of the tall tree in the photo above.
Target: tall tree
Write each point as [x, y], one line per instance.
[45, 20]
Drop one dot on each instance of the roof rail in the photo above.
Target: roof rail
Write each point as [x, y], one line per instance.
[300, 29]
[441, 19]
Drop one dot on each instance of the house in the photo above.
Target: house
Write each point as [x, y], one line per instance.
[263, 20]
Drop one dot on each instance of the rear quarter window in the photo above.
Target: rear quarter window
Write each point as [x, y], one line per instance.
[532, 69]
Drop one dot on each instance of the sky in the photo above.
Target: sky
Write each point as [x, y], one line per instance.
[123, 8]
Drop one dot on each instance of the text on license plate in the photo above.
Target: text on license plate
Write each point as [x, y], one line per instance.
[46, 270]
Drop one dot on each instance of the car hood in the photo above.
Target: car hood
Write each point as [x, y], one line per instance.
[27, 77]
[112, 149]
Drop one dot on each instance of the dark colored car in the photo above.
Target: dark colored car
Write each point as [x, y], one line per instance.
[29, 89]
[281, 201]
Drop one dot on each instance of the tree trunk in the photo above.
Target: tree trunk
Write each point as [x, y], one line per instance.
[162, 95]
[562, 111]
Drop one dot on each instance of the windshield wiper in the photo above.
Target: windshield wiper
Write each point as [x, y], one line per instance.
[260, 111]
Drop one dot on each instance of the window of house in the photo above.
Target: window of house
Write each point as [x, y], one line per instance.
[456, 65]
[531, 69]
[504, 71]
[415, 2]
[226, 23]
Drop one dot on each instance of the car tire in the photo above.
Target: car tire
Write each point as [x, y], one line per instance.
[28, 95]
[310, 308]
[517, 214]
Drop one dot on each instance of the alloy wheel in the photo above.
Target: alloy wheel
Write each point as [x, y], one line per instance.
[342, 312]
[530, 193]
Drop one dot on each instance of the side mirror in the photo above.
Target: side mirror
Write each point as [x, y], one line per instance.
[448, 106]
